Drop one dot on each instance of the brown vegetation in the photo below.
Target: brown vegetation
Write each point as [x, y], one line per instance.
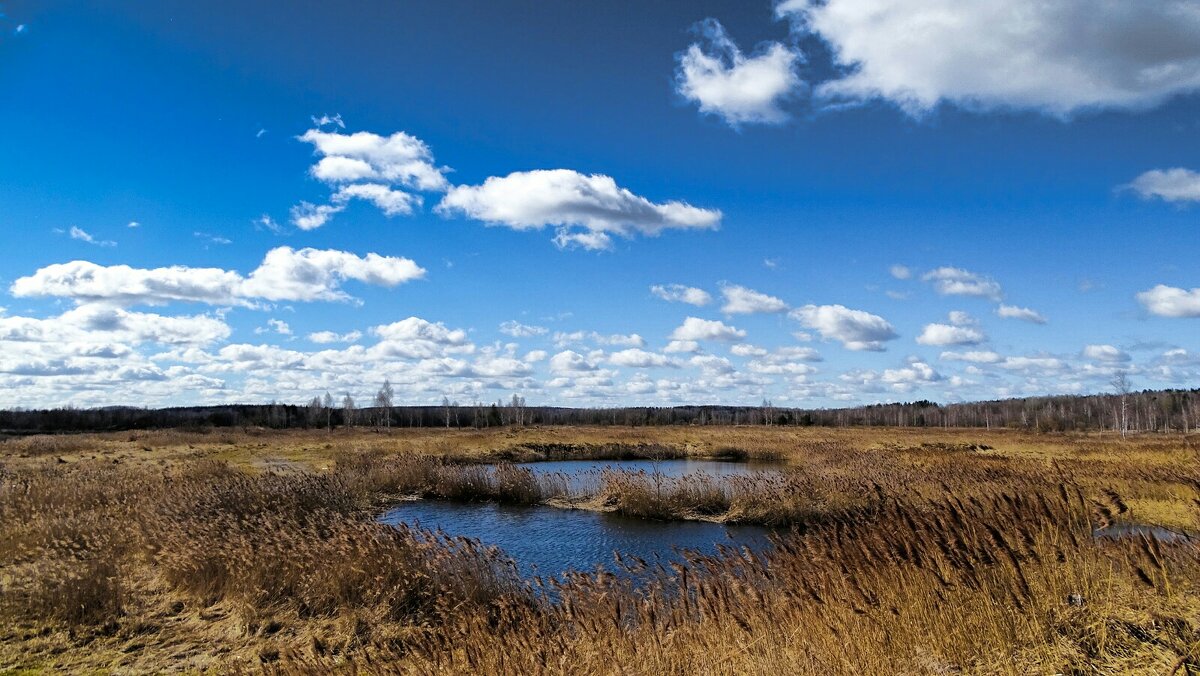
[921, 553]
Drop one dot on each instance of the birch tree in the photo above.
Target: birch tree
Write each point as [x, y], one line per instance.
[348, 410]
[383, 400]
[1121, 386]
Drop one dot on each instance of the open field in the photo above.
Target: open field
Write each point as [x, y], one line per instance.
[913, 550]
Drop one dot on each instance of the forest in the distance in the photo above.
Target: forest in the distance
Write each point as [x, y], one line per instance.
[1144, 411]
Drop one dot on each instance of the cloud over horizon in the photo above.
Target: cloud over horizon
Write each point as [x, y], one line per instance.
[285, 274]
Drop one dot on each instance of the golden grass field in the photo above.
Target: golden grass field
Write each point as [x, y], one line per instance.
[921, 551]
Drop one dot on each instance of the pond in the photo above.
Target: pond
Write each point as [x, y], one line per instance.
[585, 474]
[548, 541]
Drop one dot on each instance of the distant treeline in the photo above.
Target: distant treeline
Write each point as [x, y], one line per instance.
[1152, 411]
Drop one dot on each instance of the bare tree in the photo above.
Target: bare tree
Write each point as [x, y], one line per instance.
[768, 411]
[327, 404]
[1121, 386]
[314, 411]
[518, 408]
[348, 410]
[383, 400]
[446, 409]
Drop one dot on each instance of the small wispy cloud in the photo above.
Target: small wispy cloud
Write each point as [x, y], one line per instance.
[274, 326]
[265, 222]
[211, 238]
[83, 236]
[324, 120]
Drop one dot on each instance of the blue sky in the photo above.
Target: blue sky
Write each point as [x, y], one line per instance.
[864, 201]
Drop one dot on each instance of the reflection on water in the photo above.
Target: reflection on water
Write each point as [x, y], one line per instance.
[547, 541]
[1128, 530]
[585, 475]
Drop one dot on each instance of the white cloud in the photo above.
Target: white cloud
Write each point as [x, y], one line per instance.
[711, 364]
[133, 224]
[1172, 185]
[637, 358]
[588, 211]
[309, 216]
[415, 329]
[1056, 56]
[960, 318]
[367, 166]
[1033, 364]
[963, 329]
[497, 364]
[589, 240]
[390, 202]
[788, 361]
[678, 293]
[316, 274]
[531, 200]
[916, 373]
[211, 238]
[285, 274]
[399, 159]
[745, 350]
[1177, 355]
[569, 362]
[327, 119]
[740, 300]
[780, 368]
[562, 339]
[619, 339]
[723, 81]
[694, 328]
[1169, 301]
[275, 325]
[518, 330]
[676, 346]
[83, 236]
[1105, 353]
[417, 338]
[855, 329]
[974, 357]
[947, 334]
[950, 281]
[327, 337]
[91, 324]
[900, 271]
[1022, 313]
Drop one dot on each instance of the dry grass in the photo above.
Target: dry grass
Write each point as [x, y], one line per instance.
[922, 552]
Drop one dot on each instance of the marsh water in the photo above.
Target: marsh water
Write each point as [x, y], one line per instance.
[1132, 530]
[548, 541]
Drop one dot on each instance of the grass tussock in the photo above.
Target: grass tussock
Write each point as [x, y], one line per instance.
[770, 499]
[919, 554]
